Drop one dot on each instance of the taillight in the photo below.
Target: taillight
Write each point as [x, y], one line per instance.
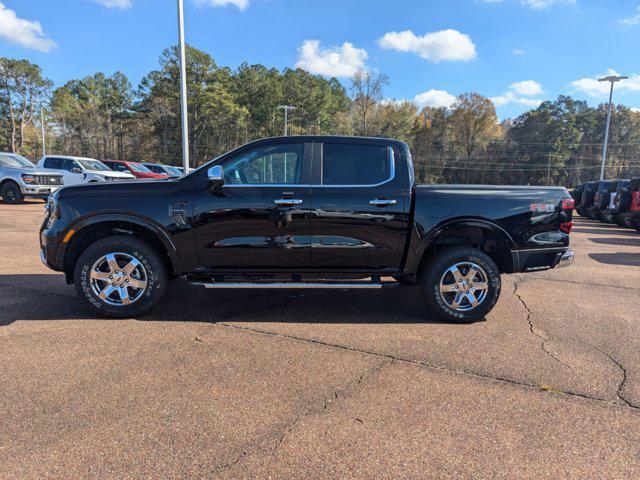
[635, 201]
[568, 204]
[566, 227]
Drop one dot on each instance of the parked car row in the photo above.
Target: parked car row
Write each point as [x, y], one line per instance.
[20, 178]
[610, 201]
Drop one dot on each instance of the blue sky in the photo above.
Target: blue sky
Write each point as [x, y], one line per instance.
[518, 52]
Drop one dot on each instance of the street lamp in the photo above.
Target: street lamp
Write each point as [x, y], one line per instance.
[612, 79]
[286, 109]
[183, 89]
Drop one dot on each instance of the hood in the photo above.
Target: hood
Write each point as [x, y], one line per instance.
[33, 171]
[111, 174]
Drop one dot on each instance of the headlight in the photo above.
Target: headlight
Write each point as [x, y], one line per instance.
[52, 207]
[29, 179]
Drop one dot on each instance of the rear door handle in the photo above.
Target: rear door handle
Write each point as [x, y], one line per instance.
[287, 202]
[382, 202]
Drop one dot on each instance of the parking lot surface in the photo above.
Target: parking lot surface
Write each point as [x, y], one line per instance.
[323, 384]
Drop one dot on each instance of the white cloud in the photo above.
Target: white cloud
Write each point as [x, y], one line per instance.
[121, 4]
[528, 88]
[542, 4]
[636, 110]
[518, 51]
[592, 87]
[522, 93]
[445, 45]
[632, 20]
[241, 4]
[26, 33]
[434, 98]
[343, 61]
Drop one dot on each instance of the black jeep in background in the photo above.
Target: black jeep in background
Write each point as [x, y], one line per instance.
[629, 204]
[304, 212]
[600, 199]
[587, 193]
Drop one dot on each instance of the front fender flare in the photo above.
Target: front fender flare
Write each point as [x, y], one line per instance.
[156, 229]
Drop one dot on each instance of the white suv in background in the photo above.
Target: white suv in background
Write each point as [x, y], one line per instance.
[81, 170]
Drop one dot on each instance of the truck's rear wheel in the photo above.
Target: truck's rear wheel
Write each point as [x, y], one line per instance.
[120, 276]
[460, 284]
[11, 193]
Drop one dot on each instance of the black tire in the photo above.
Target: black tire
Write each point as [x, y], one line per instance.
[624, 200]
[436, 271]
[618, 221]
[11, 193]
[155, 274]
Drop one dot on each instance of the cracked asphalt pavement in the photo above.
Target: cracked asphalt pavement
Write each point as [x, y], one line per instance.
[323, 384]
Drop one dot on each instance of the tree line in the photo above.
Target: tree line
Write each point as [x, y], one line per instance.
[106, 117]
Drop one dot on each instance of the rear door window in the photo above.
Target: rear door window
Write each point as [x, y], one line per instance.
[52, 162]
[352, 164]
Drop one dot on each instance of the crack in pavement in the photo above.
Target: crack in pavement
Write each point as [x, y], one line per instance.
[439, 368]
[342, 392]
[532, 329]
[621, 385]
[619, 394]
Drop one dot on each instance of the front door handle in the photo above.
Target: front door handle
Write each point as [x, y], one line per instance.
[382, 202]
[287, 202]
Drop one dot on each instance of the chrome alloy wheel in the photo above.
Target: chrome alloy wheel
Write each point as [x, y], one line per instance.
[118, 279]
[464, 286]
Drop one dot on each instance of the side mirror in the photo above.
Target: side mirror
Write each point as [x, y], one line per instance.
[76, 170]
[216, 176]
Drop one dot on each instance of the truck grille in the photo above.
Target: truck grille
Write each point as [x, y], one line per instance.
[49, 180]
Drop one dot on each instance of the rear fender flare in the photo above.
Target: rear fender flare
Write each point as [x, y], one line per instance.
[428, 238]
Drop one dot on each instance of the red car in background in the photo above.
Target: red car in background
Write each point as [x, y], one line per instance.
[136, 169]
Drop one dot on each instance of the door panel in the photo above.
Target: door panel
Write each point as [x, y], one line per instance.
[357, 208]
[260, 217]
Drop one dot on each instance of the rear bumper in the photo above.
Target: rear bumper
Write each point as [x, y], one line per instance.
[631, 215]
[538, 259]
[566, 260]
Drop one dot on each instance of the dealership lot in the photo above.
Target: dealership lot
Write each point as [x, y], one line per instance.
[323, 384]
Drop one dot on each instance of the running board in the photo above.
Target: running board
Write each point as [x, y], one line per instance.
[299, 285]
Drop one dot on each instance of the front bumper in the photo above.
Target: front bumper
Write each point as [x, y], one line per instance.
[538, 259]
[38, 191]
[51, 252]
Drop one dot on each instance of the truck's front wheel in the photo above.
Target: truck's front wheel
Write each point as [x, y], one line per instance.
[460, 284]
[11, 193]
[120, 276]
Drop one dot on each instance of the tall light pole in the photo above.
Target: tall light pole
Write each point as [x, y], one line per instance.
[612, 79]
[183, 89]
[44, 146]
[286, 109]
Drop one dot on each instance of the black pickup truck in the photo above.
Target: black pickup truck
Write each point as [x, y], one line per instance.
[304, 212]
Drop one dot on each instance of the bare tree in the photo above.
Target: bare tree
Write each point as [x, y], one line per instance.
[366, 90]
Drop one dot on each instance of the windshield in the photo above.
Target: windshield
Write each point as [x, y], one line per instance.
[138, 167]
[94, 165]
[175, 170]
[15, 161]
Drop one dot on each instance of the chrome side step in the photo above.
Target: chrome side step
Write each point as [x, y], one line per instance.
[299, 285]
